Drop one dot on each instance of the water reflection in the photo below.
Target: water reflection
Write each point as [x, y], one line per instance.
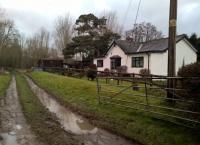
[9, 139]
[75, 124]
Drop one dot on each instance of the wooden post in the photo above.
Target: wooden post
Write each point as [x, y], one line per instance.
[172, 46]
[146, 94]
[98, 90]
[118, 79]
[148, 63]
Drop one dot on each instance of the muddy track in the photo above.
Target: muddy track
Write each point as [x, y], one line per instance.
[76, 124]
[14, 130]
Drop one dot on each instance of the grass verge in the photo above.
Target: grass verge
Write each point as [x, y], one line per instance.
[4, 83]
[80, 95]
[41, 121]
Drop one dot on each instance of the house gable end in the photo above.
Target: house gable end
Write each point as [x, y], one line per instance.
[114, 48]
[190, 45]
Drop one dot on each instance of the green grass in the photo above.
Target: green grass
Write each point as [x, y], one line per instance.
[4, 82]
[80, 95]
[42, 122]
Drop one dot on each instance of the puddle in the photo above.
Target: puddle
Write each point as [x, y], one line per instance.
[74, 123]
[14, 129]
[69, 121]
[9, 139]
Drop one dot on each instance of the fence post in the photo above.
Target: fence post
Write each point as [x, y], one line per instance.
[118, 79]
[98, 90]
[146, 94]
[174, 91]
[151, 81]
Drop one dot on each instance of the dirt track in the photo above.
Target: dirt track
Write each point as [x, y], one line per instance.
[14, 130]
[75, 124]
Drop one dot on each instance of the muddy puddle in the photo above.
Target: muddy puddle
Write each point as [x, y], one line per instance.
[9, 139]
[76, 124]
[14, 130]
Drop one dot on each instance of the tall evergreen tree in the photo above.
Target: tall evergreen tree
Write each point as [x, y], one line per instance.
[91, 37]
[195, 41]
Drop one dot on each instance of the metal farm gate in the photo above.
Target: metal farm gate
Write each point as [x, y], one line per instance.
[149, 95]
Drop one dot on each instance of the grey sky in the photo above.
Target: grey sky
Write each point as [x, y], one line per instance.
[30, 15]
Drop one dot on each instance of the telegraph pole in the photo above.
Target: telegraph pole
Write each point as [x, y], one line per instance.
[172, 46]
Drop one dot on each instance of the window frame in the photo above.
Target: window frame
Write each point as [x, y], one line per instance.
[115, 63]
[138, 62]
[98, 62]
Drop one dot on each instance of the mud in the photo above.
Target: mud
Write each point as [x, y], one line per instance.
[14, 130]
[75, 124]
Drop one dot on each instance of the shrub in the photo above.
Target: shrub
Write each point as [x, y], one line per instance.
[106, 72]
[81, 73]
[191, 86]
[145, 72]
[92, 72]
[191, 70]
[122, 69]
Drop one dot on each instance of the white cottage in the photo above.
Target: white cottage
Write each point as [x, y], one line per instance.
[152, 55]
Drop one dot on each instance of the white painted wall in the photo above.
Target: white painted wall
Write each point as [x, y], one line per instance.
[186, 53]
[158, 61]
[115, 50]
[126, 60]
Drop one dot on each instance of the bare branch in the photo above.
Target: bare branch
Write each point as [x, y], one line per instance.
[63, 31]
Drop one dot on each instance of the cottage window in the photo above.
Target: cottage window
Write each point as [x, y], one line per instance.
[99, 63]
[115, 63]
[138, 62]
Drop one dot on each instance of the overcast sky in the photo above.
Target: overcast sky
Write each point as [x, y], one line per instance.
[30, 15]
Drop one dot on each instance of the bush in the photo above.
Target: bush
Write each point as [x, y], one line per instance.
[81, 73]
[191, 86]
[145, 72]
[122, 69]
[92, 72]
[191, 70]
[106, 72]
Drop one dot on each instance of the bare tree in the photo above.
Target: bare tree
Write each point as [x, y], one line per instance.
[10, 50]
[143, 32]
[44, 38]
[53, 53]
[16, 50]
[7, 32]
[112, 22]
[63, 31]
[37, 47]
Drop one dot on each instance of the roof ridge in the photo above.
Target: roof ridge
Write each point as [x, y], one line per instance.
[181, 35]
[156, 45]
